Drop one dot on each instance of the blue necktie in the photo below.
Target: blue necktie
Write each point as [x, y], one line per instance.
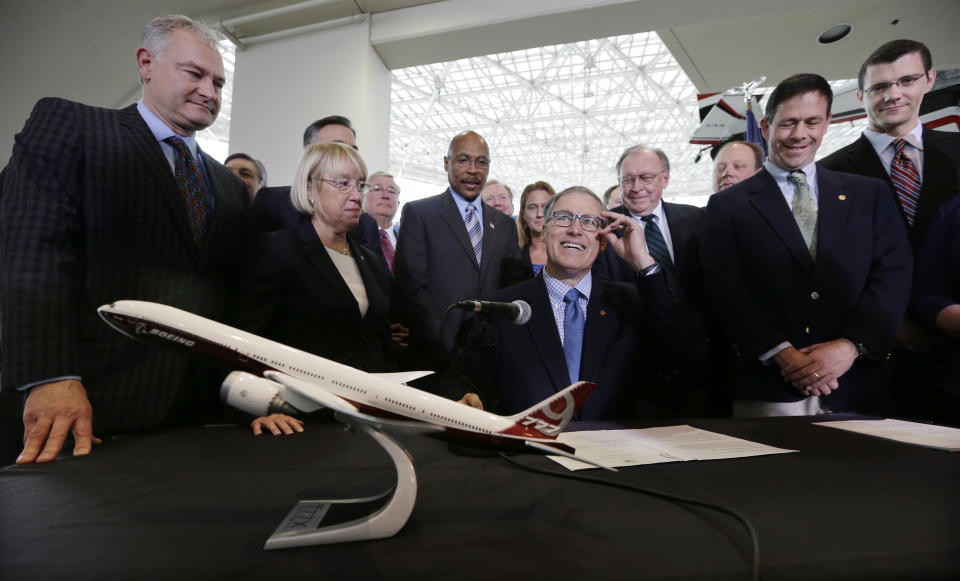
[473, 231]
[573, 320]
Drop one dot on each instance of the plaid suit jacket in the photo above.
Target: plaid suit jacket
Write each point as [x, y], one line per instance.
[90, 214]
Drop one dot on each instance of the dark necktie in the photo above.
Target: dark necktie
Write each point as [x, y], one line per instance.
[188, 177]
[906, 181]
[573, 320]
[656, 245]
[387, 249]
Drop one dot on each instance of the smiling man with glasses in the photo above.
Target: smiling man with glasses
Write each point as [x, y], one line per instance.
[583, 328]
[922, 169]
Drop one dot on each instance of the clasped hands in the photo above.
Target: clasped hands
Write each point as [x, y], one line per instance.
[814, 370]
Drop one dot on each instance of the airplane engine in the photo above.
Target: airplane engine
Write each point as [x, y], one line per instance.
[254, 395]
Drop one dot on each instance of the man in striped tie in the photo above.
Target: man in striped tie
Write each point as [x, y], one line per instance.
[922, 168]
[452, 247]
[381, 203]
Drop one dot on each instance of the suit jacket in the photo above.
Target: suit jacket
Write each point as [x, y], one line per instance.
[294, 294]
[941, 174]
[435, 266]
[685, 223]
[91, 214]
[626, 323]
[766, 288]
[272, 210]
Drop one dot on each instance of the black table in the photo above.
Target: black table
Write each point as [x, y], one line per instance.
[198, 503]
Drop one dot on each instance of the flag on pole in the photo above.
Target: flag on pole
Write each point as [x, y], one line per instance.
[753, 129]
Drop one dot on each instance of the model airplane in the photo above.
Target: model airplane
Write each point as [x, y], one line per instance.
[274, 377]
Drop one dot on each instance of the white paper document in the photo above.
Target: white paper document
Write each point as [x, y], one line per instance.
[939, 437]
[616, 448]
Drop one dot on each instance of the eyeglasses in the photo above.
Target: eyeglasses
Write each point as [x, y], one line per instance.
[346, 186]
[645, 179]
[466, 161]
[587, 222]
[903, 82]
[388, 189]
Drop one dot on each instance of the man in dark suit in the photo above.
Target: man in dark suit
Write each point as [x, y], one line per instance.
[672, 233]
[893, 81]
[620, 324]
[101, 205]
[440, 260]
[808, 270]
[381, 204]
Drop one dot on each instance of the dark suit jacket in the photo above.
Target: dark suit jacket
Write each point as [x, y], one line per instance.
[941, 174]
[766, 289]
[294, 294]
[91, 214]
[272, 210]
[685, 223]
[435, 266]
[625, 324]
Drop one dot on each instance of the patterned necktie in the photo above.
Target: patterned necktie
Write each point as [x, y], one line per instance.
[573, 320]
[387, 249]
[804, 210]
[656, 245]
[906, 181]
[187, 175]
[473, 231]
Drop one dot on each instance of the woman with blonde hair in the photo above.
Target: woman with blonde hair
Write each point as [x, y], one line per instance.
[311, 287]
[533, 200]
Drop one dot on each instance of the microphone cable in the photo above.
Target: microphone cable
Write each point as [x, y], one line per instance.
[754, 539]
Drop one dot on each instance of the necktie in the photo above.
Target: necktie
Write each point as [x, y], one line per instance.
[187, 175]
[804, 210]
[906, 181]
[573, 320]
[473, 231]
[656, 245]
[387, 249]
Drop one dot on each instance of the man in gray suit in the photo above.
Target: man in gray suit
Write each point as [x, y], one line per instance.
[101, 205]
[452, 247]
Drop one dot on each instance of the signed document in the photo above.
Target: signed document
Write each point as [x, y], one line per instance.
[615, 448]
[937, 437]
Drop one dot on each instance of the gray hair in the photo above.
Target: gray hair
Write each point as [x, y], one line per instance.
[664, 161]
[156, 34]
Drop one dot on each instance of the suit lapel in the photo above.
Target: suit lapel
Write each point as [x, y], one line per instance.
[328, 275]
[600, 329]
[155, 162]
[451, 216]
[542, 330]
[490, 234]
[863, 157]
[832, 204]
[766, 197]
[222, 202]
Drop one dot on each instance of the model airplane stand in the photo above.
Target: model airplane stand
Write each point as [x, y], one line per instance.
[382, 515]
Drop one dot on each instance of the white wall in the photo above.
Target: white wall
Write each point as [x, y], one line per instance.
[284, 85]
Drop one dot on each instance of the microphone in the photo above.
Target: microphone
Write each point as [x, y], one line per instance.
[518, 312]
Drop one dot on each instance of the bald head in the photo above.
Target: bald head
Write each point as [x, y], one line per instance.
[467, 163]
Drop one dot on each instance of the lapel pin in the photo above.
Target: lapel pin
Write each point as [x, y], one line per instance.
[491, 226]
[603, 313]
[842, 197]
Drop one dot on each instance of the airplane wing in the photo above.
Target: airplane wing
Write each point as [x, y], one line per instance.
[343, 409]
[553, 451]
[403, 376]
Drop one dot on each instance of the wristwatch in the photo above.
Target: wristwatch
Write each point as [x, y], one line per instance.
[652, 269]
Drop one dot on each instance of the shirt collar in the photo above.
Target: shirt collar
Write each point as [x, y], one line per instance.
[160, 129]
[462, 203]
[780, 174]
[657, 211]
[556, 289]
[881, 141]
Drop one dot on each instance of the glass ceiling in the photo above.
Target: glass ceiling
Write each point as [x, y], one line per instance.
[560, 113]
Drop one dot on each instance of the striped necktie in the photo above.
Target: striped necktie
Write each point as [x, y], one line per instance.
[906, 181]
[188, 178]
[804, 210]
[387, 249]
[656, 245]
[473, 231]
[573, 322]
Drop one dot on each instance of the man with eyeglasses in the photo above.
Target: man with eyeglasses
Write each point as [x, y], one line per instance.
[583, 328]
[381, 203]
[808, 270]
[672, 234]
[922, 168]
[452, 247]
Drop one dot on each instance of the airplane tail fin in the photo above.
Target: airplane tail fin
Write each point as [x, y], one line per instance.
[549, 417]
